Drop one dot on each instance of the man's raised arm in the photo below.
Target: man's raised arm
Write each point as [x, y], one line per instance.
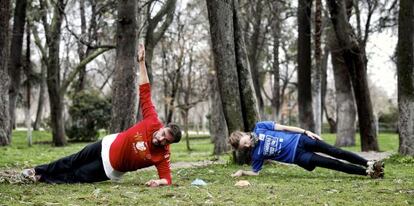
[143, 76]
[146, 105]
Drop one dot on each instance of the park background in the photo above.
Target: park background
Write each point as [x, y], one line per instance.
[343, 69]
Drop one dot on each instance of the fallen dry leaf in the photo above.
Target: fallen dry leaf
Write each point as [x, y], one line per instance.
[242, 183]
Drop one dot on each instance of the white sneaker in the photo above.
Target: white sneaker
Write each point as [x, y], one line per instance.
[30, 174]
[375, 169]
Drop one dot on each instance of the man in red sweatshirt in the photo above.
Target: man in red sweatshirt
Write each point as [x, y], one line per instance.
[143, 145]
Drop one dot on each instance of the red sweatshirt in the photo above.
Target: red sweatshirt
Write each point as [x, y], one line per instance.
[132, 149]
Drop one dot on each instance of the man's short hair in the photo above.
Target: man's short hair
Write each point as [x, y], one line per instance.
[175, 132]
[234, 139]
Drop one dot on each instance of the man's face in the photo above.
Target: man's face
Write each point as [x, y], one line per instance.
[162, 137]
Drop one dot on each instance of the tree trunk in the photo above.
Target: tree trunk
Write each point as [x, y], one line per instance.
[331, 122]
[345, 105]
[324, 76]
[249, 103]
[254, 53]
[275, 67]
[187, 139]
[317, 71]
[15, 63]
[405, 65]
[124, 96]
[80, 85]
[28, 71]
[153, 36]
[306, 119]
[354, 59]
[220, 15]
[232, 69]
[53, 75]
[5, 135]
[218, 127]
[42, 97]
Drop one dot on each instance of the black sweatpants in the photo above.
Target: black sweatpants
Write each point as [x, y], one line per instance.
[308, 159]
[84, 166]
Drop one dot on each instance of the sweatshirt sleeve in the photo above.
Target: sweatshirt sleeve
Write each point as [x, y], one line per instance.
[164, 171]
[269, 125]
[257, 165]
[146, 105]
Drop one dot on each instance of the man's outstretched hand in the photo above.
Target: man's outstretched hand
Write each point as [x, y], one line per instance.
[141, 53]
[152, 183]
[156, 183]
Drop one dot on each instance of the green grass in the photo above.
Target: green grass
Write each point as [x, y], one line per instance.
[386, 141]
[277, 184]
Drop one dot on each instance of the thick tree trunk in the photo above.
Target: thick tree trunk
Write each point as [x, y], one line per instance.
[15, 63]
[306, 119]
[220, 15]
[405, 64]
[248, 99]
[5, 136]
[53, 76]
[80, 85]
[232, 69]
[4, 104]
[124, 96]
[317, 71]
[354, 60]
[345, 105]
[218, 127]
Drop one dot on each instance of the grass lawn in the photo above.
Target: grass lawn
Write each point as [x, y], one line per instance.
[277, 184]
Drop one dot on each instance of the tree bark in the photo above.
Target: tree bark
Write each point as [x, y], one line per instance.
[324, 68]
[43, 73]
[317, 71]
[275, 101]
[249, 103]
[53, 74]
[124, 96]
[15, 66]
[354, 60]
[405, 66]
[306, 119]
[345, 105]
[218, 126]
[42, 97]
[232, 69]
[28, 72]
[220, 15]
[15, 63]
[80, 85]
[185, 118]
[254, 53]
[5, 135]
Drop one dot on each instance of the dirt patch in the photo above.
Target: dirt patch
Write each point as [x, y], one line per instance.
[180, 165]
[374, 155]
[13, 176]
